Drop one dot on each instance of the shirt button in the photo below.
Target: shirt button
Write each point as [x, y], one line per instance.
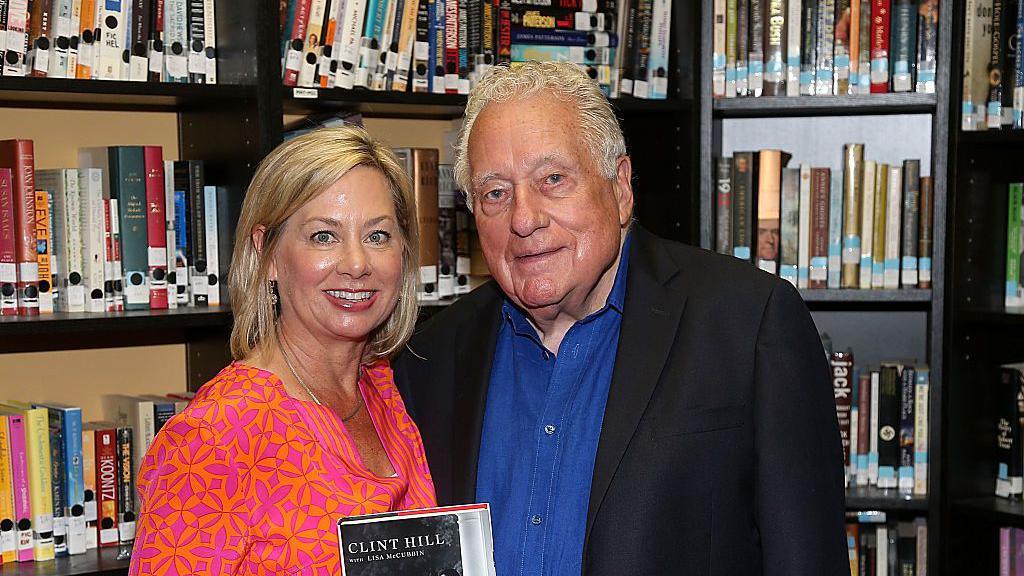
[536, 520]
[549, 429]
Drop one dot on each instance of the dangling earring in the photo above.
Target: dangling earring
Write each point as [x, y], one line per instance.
[273, 293]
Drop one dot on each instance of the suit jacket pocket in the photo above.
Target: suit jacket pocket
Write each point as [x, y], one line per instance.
[699, 420]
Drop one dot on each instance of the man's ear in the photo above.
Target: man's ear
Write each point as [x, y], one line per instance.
[259, 233]
[624, 189]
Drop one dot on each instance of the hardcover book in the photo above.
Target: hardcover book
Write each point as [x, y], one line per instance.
[452, 541]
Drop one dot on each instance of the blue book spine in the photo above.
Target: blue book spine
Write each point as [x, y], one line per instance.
[431, 44]
[75, 479]
[835, 230]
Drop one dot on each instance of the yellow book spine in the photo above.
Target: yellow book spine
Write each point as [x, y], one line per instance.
[37, 448]
[8, 543]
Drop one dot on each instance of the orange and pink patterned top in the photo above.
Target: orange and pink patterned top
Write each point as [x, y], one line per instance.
[248, 480]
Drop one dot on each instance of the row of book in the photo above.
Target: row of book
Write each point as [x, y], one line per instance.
[993, 65]
[1014, 295]
[883, 422]
[444, 46]
[1011, 551]
[67, 486]
[125, 230]
[135, 40]
[866, 226]
[879, 546]
[823, 47]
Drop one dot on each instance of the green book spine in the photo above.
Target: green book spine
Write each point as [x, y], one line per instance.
[1013, 252]
[128, 185]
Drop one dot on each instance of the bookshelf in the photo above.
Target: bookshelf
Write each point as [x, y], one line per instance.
[234, 124]
[981, 332]
[877, 324]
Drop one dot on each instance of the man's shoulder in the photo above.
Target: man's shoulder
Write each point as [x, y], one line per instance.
[485, 299]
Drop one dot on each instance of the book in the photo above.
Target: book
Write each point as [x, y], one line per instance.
[888, 425]
[156, 227]
[881, 219]
[911, 222]
[106, 482]
[880, 28]
[723, 205]
[769, 193]
[977, 41]
[924, 232]
[1013, 296]
[908, 396]
[67, 235]
[821, 180]
[921, 421]
[421, 165]
[853, 178]
[18, 156]
[8, 539]
[867, 224]
[842, 389]
[90, 186]
[454, 539]
[127, 497]
[21, 485]
[37, 451]
[44, 248]
[863, 399]
[893, 214]
[804, 242]
[1009, 459]
[835, 231]
[790, 226]
[8, 247]
[89, 484]
[742, 194]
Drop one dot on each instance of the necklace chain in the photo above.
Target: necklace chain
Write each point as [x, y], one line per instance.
[295, 374]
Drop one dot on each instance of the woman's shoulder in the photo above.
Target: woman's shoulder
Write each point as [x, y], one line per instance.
[235, 395]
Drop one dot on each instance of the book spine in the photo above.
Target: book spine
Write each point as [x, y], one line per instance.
[171, 227]
[731, 47]
[56, 239]
[58, 481]
[422, 64]
[182, 250]
[820, 185]
[176, 41]
[835, 232]
[312, 46]
[804, 247]
[446, 234]
[60, 44]
[658, 60]
[864, 425]
[451, 46]
[327, 67]
[864, 57]
[107, 486]
[742, 224]
[876, 397]
[742, 47]
[718, 57]
[388, 54]
[21, 488]
[755, 48]
[723, 205]
[425, 189]
[435, 79]
[842, 389]
[867, 225]
[196, 42]
[44, 247]
[968, 97]
[74, 513]
[577, 54]
[888, 426]
[37, 441]
[880, 46]
[928, 46]
[921, 526]
[793, 37]
[825, 66]
[911, 222]
[504, 44]
[407, 42]
[89, 487]
[125, 489]
[212, 248]
[90, 186]
[808, 46]
[906, 548]
[789, 236]
[8, 541]
[892, 228]
[209, 61]
[853, 179]
[40, 33]
[19, 157]
[645, 9]
[109, 39]
[769, 193]
[994, 112]
[1012, 295]
[775, 38]
[1005, 551]
[906, 436]
[902, 29]
[881, 220]
[922, 385]
[86, 40]
[128, 186]
[198, 258]
[156, 227]
[138, 45]
[155, 42]
[855, 19]
[17, 38]
[1018, 73]
[8, 247]
[68, 217]
[1009, 62]
[463, 218]
[855, 432]
[841, 47]
[295, 42]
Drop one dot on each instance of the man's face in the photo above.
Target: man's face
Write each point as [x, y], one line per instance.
[768, 239]
[550, 223]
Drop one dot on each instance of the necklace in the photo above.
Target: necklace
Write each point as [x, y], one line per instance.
[295, 374]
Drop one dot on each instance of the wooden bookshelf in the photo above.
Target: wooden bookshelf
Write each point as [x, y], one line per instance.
[98, 562]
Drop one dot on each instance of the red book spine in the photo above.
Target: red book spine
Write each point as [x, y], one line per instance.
[8, 250]
[451, 45]
[156, 226]
[106, 486]
[294, 52]
[18, 155]
[880, 46]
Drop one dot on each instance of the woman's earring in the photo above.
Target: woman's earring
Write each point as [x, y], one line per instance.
[273, 293]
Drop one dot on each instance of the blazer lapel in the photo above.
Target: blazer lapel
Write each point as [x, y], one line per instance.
[474, 345]
[651, 315]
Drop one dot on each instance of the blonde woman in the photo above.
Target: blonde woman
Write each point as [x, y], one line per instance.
[306, 425]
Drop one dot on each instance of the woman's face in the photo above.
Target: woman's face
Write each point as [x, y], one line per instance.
[338, 263]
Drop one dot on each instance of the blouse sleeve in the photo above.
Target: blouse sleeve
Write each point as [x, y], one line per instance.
[194, 516]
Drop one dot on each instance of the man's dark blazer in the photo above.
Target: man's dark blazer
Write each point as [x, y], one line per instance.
[720, 451]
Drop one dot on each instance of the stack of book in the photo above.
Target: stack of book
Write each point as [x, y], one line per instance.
[125, 230]
[135, 40]
[993, 68]
[883, 423]
[68, 486]
[868, 226]
[445, 46]
[823, 47]
[882, 547]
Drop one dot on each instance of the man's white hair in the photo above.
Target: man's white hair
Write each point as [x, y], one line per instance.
[565, 81]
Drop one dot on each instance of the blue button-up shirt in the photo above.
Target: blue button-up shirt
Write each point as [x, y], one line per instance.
[540, 433]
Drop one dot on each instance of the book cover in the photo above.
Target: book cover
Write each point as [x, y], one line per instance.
[907, 399]
[21, 485]
[789, 237]
[921, 391]
[924, 232]
[867, 224]
[106, 482]
[880, 17]
[156, 227]
[8, 248]
[742, 190]
[888, 426]
[881, 221]
[821, 180]
[19, 157]
[911, 222]
[842, 389]
[853, 179]
[804, 245]
[835, 231]
[451, 540]
[769, 195]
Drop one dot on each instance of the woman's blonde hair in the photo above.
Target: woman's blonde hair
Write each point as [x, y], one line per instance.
[289, 177]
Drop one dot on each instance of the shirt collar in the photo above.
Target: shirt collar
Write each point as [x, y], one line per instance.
[616, 299]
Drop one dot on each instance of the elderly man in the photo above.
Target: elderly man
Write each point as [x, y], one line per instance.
[628, 405]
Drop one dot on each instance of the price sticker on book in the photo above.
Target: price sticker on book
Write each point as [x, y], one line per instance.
[196, 63]
[177, 66]
[156, 62]
[307, 93]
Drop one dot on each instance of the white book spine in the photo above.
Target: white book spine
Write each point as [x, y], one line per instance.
[921, 390]
[175, 41]
[793, 21]
[74, 39]
[804, 246]
[61, 41]
[111, 37]
[882, 554]
[17, 38]
[212, 255]
[873, 440]
[348, 54]
[210, 40]
[718, 51]
[657, 70]
[72, 293]
[90, 185]
[893, 223]
[867, 224]
[851, 473]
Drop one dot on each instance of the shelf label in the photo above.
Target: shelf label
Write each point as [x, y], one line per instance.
[309, 93]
